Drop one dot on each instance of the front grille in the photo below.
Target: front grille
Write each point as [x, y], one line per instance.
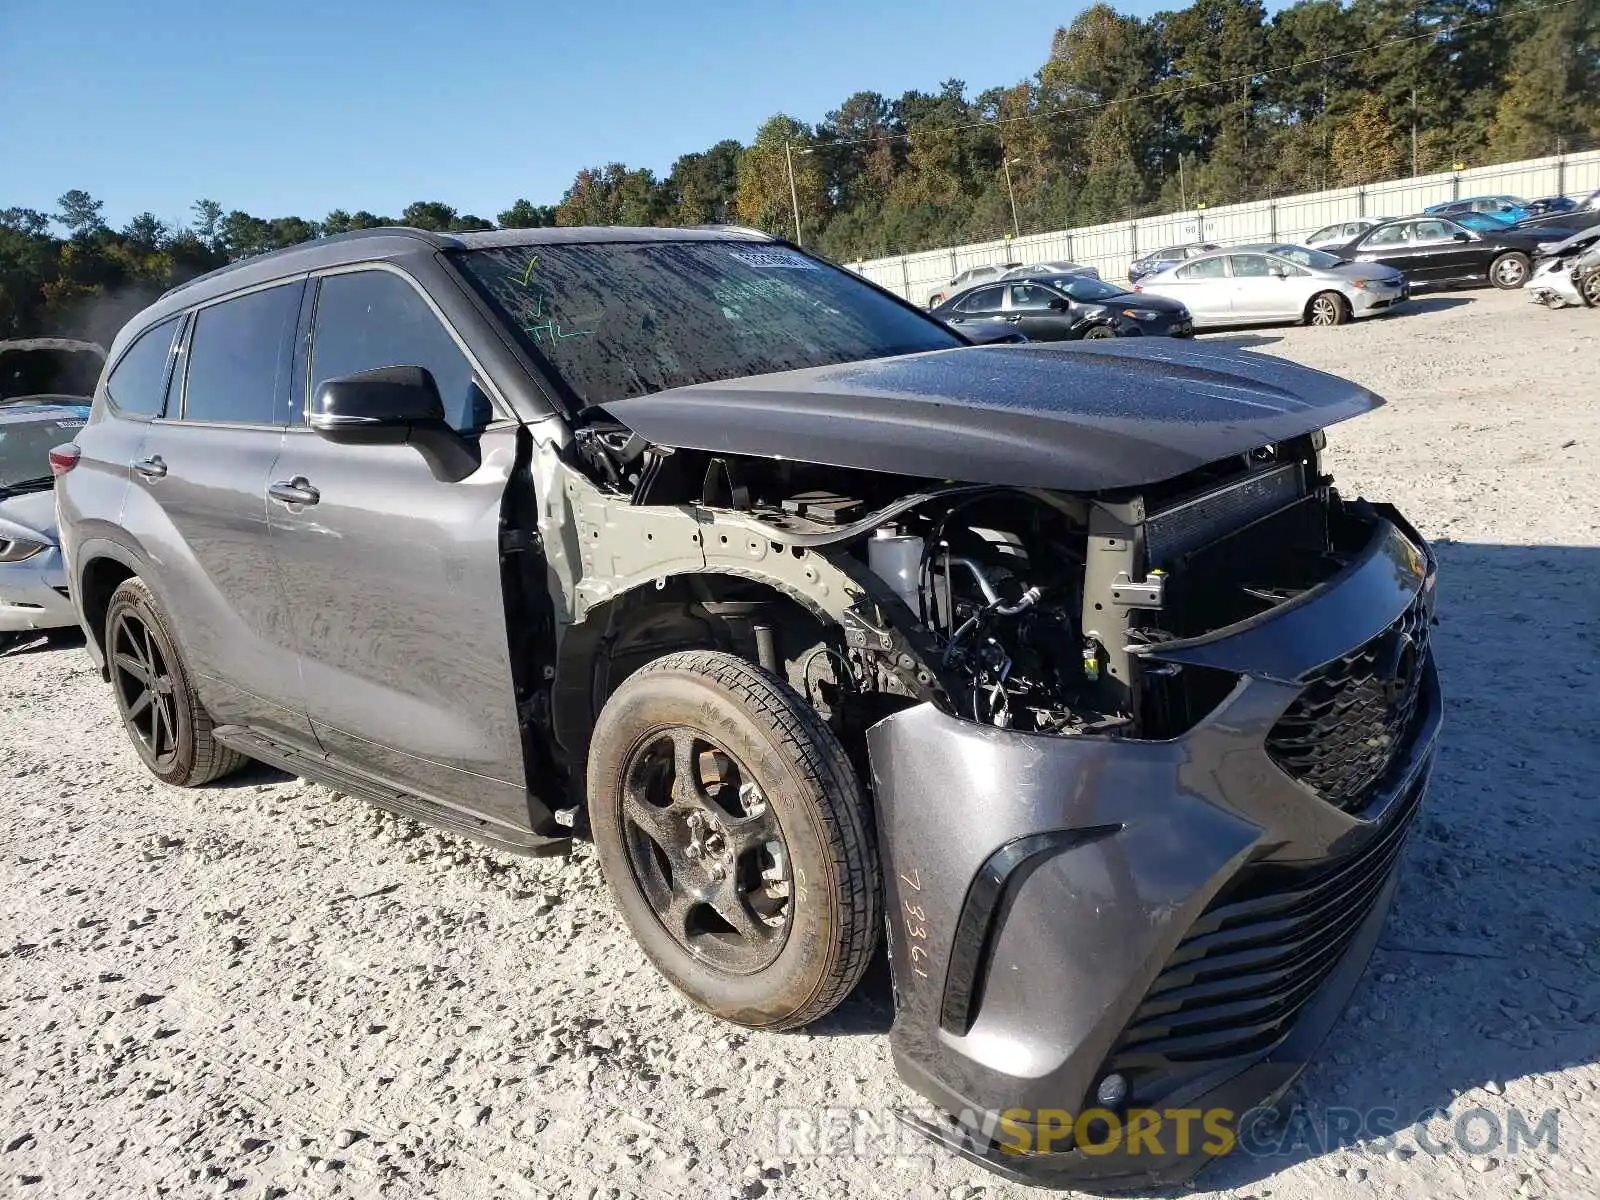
[1256, 956]
[1344, 729]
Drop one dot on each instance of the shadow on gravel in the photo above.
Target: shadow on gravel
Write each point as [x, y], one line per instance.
[1430, 303]
[1242, 341]
[15, 645]
[1489, 969]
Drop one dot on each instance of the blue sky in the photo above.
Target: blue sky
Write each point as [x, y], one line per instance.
[301, 106]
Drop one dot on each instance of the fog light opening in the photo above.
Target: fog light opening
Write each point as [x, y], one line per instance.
[1113, 1090]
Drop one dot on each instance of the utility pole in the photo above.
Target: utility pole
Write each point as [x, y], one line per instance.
[794, 195]
[1183, 188]
[1016, 229]
[1413, 131]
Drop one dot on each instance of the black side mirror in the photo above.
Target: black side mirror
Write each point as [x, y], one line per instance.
[1460, 237]
[1061, 304]
[392, 406]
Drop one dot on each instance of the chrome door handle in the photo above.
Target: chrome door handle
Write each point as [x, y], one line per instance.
[1011, 320]
[151, 468]
[296, 492]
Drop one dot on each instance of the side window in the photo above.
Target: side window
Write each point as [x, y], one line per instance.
[1030, 297]
[1250, 266]
[1387, 235]
[983, 300]
[1205, 268]
[139, 383]
[1432, 231]
[239, 356]
[371, 319]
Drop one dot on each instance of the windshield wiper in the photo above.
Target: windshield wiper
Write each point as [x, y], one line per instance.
[19, 486]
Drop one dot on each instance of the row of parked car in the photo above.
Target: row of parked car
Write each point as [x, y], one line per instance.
[1342, 272]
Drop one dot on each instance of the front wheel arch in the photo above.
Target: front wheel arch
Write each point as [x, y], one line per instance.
[1327, 308]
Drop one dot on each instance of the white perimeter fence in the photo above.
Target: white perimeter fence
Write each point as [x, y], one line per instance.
[1110, 248]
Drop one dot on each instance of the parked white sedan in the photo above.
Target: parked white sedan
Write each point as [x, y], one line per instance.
[1245, 285]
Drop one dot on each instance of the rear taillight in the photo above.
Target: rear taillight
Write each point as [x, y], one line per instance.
[63, 459]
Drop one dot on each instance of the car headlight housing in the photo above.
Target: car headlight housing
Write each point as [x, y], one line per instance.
[18, 549]
[1141, 314]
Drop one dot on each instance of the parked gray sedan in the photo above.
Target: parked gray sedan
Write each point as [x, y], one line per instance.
[1244, 285]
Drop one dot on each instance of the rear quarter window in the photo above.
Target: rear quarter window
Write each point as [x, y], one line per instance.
[137, 385]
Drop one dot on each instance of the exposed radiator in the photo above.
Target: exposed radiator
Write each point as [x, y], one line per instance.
[1191, 524]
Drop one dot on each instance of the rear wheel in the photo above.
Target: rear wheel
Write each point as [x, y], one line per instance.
[1509, 271]
[735, 839]
[1327, 308]
[168, 726]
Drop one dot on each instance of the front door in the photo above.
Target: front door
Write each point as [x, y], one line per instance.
[1258, 293]
[197, 503]
[394, 575]
[1444, 250]
[1030, 306]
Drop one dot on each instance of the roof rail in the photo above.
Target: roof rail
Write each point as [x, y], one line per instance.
[440, 240]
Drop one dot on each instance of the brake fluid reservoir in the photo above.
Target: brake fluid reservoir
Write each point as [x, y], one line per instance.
[896, 558]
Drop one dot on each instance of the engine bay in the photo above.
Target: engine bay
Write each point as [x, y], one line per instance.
[1023, 608]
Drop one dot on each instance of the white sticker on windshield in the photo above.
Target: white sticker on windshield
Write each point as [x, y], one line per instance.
[76, 423]
[774, 260]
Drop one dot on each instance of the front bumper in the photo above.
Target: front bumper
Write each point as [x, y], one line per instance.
[1183, 914]
[1368, 300]
[33, 594]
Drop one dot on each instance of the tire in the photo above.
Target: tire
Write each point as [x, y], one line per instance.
[164, 719]
[1327, 308]
[1509, 271]
[783, 934]
[1099, 331]
[1589, 288]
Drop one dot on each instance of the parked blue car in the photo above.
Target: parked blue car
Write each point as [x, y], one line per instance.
[1512, 208]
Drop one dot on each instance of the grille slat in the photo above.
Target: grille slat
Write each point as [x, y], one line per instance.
[1235, 984]
[1351, 717]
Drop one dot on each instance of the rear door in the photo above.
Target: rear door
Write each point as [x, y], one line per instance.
[1204, 288]
[984, 307]
[1391, 246]
[394, 575]
[197, 503]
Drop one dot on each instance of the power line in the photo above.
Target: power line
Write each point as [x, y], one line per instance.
[1163, 93]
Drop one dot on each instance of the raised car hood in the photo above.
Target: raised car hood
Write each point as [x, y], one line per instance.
[1079, 416]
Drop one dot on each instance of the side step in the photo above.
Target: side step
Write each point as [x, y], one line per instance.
[341, 779]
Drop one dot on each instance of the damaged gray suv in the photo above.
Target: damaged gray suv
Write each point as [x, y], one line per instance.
[1062, 669]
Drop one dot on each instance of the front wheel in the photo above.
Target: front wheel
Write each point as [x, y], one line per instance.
[1509, 271]
[1589, 288]
[165, 721]
[1327, 308]
[1098, 332]
[735, 839]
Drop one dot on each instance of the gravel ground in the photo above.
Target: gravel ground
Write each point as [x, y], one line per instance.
[264, 989]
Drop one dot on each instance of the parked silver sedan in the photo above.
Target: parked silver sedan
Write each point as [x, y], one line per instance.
[1245, 285]
[33, 584]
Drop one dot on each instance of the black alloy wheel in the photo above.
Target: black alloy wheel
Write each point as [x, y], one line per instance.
[146, 692]
[168, 726]
[1098, 332]
[707, 851]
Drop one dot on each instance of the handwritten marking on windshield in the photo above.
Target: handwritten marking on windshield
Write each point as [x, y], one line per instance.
[528, 274]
